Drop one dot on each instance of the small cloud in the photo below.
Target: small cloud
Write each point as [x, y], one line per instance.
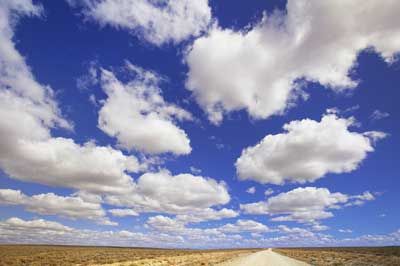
[382, 215]
[378, 115]
[319, 227]
[195, 170]
[268, 192]
[345, 231]
[220, 146]
[93, 100]
[251, 190]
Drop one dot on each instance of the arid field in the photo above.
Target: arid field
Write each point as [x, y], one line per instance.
[19, 255]
[351, 256]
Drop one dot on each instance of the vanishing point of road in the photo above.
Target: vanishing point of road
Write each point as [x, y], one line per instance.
[264, 258]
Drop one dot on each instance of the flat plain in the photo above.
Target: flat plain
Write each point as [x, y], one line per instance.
[346, 256]
[35, 255]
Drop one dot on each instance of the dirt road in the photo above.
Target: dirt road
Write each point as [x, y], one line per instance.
[264, 258]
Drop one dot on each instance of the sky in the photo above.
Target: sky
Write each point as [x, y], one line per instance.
[199, 124]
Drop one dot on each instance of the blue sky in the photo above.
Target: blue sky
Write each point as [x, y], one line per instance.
[199, 124]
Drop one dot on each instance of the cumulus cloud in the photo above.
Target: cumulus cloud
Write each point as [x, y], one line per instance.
[170, 21]
[207, 214]
[39, 231]
[305, 205]
[269, 191]
[245, 226]
[51, 204]
[164, 192]
[306, 151]
[28, 112]
[15, 230]
[262, 69]
[251, 190]
[136, 114]
[166, 224]
[123, 212]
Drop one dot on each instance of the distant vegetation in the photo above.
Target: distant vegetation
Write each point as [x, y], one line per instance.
[35, 255]
[354, 256]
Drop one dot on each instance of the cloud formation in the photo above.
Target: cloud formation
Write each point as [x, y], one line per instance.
[304, 205]
[15, 230]
[171, 21]
[261, 70]
[51, 204]
[136, 114]
[307, 151]
[28, 113]
[175, 194]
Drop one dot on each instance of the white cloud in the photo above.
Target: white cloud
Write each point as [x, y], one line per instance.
[176, 226]
[251, 190]
[15, 230]
[136, 114]
[123, 212]
[51, 204]
[295, 230]
[39, 224]
[259, 69]
[245, 226]
[208, 214]
[179, 194]
[359, 200]
[378, 115]
[345, 231]
[61, 162]
[319, 227]
[268, 192]
[308, 204]
[170, 21]
[165, 224]
[28, 112]
[195, 170]
[325, 146]
[39, 231]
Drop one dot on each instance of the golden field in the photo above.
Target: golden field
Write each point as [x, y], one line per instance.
[19, 255]
[347, 256]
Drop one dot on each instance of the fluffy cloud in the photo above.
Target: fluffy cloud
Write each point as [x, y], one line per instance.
[15, 230]
[259, 69]
[123, 212]
[245, 226]
[28, 112]
[207, 214]
[170, 225]
[251, 190]
[62, 162]
[137, 115]
[306, 151]
[308, 204]
[155, 21]
[268, 192]
[163, 192]
[51, 204]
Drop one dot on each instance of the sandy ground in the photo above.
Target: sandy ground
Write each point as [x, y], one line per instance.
[264, 258]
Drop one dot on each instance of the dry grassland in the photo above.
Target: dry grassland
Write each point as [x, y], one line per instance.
[35, 255]
[347, 256]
